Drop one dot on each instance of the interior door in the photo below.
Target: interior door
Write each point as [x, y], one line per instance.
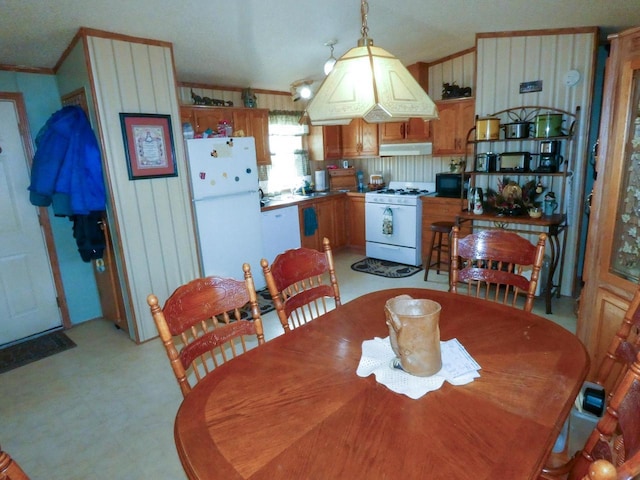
[28, 299]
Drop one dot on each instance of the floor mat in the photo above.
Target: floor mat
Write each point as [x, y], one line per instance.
[384, 268]
[264, 302]
[35, 349]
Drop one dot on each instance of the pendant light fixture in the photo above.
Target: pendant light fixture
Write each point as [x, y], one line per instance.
[368, 82]
[328, 65]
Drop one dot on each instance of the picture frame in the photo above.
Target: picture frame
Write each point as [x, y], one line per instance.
[148, 145]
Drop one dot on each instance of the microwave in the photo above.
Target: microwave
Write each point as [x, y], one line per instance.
[452, 185]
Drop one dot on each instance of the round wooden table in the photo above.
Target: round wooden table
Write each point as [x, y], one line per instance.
[294, 408]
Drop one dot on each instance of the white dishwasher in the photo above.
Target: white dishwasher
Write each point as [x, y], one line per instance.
[280, 231]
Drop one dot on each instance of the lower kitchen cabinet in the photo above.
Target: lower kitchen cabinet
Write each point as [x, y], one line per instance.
[355, 220]
[330, 219]
[439, 209]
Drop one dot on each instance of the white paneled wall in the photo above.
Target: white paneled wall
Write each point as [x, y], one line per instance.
[153, 217]
[460, 69]
[504, 62]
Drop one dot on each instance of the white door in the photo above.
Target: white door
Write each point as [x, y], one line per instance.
[27, 291]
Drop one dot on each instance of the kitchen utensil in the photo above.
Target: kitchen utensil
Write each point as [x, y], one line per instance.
[517, 130]
[487, 128]
[548, 125]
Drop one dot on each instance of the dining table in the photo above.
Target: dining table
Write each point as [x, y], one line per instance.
[294, 407]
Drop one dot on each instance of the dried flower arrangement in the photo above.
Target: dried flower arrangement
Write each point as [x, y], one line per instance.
[513, 199]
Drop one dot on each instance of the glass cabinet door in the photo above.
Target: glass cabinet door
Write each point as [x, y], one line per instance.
[625, 254]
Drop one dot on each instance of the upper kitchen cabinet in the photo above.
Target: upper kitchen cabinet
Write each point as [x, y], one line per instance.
[359, 139]
[414, 130]
[324, 143]
[253, 122]
[450, 131]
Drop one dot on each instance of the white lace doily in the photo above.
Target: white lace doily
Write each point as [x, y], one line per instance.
[458, 368]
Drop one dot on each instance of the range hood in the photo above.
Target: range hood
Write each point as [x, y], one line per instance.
[403, 149]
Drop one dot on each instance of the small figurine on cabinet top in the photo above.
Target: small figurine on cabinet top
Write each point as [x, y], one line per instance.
[249, 98]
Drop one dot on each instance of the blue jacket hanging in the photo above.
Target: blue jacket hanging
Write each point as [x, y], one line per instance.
[67, 169]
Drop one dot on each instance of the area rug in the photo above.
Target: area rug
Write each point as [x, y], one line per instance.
[264, 303]
[384, 268]
[29, 351]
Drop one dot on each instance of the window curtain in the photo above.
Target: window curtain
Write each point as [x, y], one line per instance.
[286, 122]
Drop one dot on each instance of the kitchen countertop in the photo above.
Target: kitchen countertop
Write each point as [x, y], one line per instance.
[286, 200]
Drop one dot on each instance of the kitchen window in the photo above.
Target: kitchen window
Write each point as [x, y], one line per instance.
[289, 162]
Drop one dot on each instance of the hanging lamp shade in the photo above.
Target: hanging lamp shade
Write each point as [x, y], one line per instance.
[370, 83]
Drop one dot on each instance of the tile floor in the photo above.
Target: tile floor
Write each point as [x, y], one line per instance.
[105, 409]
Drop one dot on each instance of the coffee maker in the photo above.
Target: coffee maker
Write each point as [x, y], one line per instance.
[549, 156]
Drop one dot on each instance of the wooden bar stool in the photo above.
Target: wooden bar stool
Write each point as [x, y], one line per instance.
[438, 245]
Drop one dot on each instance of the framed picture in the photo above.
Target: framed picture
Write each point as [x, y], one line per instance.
[148, 144]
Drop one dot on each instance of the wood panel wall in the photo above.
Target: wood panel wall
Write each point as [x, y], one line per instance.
[152, 218]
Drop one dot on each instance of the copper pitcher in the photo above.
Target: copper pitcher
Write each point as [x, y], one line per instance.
[414, 334]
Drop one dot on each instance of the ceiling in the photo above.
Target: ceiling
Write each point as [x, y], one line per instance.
[269, 44]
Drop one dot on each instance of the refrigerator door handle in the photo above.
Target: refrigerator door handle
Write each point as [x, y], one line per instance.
[210, 197]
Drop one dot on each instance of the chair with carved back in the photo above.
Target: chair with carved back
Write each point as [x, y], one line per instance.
[604, 470]
[616, 437]
[9, 468]
[623, 348]
[201, 325]
[490, 264]
[302, 283]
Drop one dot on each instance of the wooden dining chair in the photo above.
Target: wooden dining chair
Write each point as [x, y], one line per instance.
[489, 264]
[604, 470]
[623, 348]
[302, 283]
[9, 468]
[201, 325]
[616, 436]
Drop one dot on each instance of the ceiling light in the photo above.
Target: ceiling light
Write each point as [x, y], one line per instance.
[328, 65]
[301, 89]
[368, 82]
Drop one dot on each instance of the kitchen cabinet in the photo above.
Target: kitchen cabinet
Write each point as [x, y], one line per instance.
[355, 220]
[324, 142]
[330, 215]
[414, 130]
[359, 139]
[456, 119]
[612, 258]
[254, 122]
[440, 209]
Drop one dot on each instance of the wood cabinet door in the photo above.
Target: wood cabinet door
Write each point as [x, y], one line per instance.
[355, 221]
[368, 139]
[307, 241]
[254, 123]
[445, 133]
[208, 118]
[339, 213]
[392, 131]
[186, 116]
[332, 139]
[612, 258]
[324, 210]
[457, 117]
[351, 139]
[417, 130]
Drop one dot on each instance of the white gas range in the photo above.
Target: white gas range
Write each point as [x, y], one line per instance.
[393, 217]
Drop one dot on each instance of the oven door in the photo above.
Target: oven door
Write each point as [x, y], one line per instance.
[403, 244]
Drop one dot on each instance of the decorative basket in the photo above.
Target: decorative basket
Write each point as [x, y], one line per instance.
[377, 186]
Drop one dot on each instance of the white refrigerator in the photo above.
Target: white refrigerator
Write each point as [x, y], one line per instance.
[224, 181]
